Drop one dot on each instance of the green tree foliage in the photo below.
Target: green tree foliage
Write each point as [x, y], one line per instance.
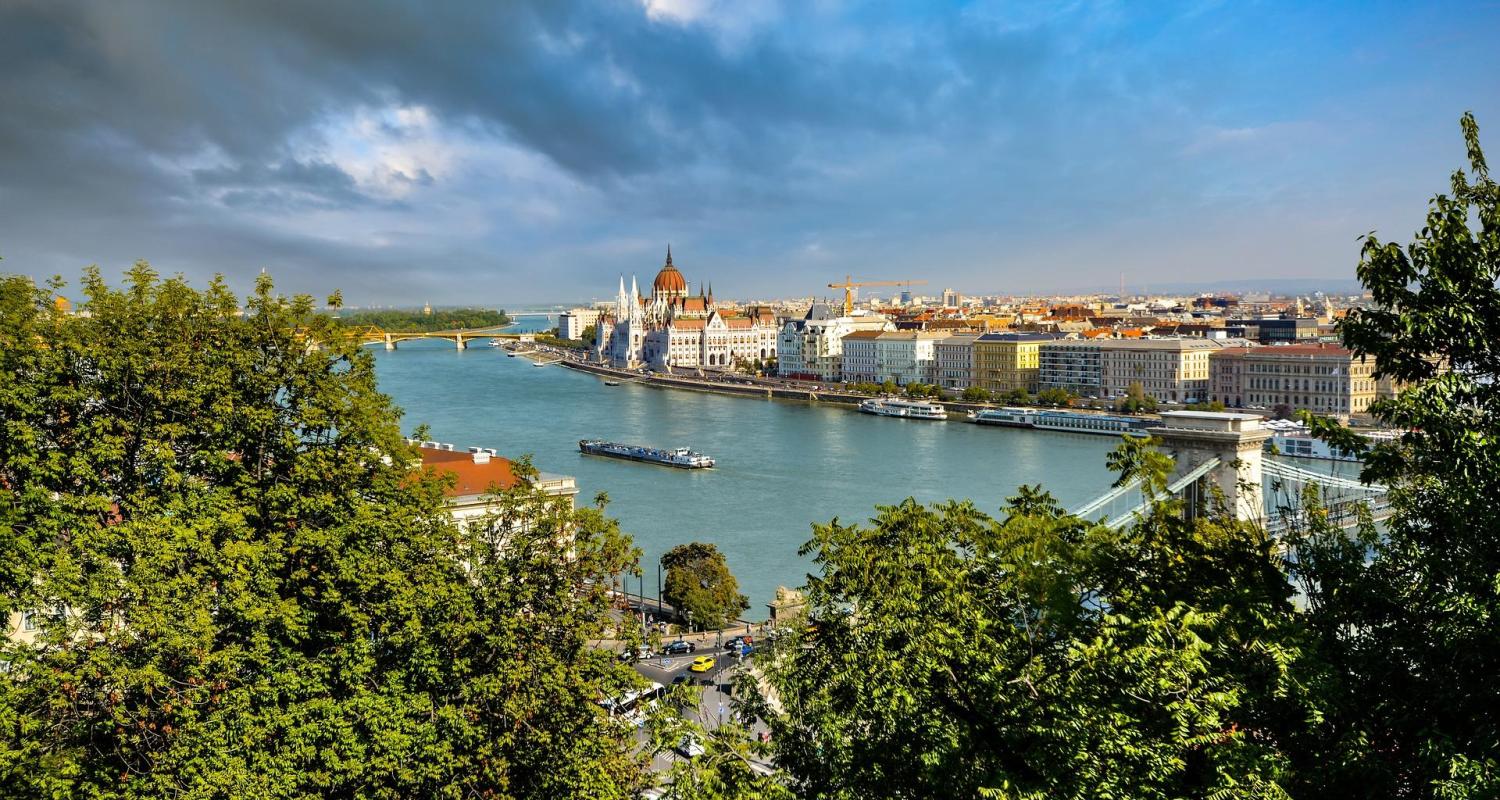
[698, 580]
[1210, 405]
[1411, 635]
[1136, 401]
[1039, 655]
[248, 586]
[1055, 397]
[975, 394]
[439, 320]
[1016, 397]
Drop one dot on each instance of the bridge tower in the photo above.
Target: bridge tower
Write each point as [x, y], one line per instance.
[390, 344]
[1195, 437]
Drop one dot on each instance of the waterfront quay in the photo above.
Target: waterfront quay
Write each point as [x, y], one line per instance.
[782, 465]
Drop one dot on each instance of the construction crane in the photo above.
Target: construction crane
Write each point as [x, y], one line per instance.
[849, 285]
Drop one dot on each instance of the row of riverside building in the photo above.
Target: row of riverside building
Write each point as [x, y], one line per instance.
[675, 329]
[1319, 377]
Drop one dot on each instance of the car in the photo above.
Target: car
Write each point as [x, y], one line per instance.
[678, 648]
[702, 664]
[738, 642]
[631, 654]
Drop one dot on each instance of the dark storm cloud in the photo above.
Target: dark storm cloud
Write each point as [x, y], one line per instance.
[532, 148]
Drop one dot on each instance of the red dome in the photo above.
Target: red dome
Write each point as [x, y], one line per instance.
[669, 280]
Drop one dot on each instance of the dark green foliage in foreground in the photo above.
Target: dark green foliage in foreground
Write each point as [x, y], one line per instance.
[444, 319]
[698, 581]
[248, 590]
[1037, 656]
[1412, 640]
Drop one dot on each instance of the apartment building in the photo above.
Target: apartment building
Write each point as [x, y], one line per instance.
[570, 323]
[1322, 378]
[812, 347]
[1073, 364]
[908, 356]
[1004, 362]
[955, 361]
[860, 360]
[1170, 370]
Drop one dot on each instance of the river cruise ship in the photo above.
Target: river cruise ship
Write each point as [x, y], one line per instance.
[680, 457]
[1067, 421]
[1292, 438]
[906, 409]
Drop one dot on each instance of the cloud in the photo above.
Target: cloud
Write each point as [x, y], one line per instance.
[531, 149]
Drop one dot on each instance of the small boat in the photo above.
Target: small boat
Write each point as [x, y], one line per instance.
[906, 409]
[496, 343]
[611, 383]
[680, 457]
[510, 354]
[540, 363]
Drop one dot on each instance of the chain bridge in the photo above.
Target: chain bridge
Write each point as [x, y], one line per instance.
[1226, 451]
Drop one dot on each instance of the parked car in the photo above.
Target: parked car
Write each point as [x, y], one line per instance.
[703, 664]
[679, 648]
[737, 642]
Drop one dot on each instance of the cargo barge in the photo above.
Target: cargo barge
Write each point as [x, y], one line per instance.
[679, 457]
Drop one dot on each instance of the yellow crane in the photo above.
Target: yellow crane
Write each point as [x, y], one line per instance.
[849, 285]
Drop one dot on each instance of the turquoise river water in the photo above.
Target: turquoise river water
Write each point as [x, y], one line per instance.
[781, 465]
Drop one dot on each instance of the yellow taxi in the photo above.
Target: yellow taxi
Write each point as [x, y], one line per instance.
[702, 664]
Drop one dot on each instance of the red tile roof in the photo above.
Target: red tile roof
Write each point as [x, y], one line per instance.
[472, 478]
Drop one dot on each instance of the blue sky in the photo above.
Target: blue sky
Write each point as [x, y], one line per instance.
[520, 152]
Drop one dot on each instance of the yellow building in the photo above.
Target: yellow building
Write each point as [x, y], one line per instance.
[1004, 362]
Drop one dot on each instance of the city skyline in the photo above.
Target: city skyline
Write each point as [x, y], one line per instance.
[551, 147]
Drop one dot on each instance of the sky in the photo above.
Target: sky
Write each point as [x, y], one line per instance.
[511, 152]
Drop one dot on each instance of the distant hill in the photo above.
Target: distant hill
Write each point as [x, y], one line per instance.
[1275, 286]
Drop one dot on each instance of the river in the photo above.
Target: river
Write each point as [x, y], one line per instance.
[781, 465]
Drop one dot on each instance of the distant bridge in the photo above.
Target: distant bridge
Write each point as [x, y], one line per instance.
[1225, 450]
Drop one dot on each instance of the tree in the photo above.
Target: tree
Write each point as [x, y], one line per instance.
[889, 387]
[1016, 397]
[590, 335]
[248, 587]
[698, 581]
[1040, 655]
[975, 394]
[1136, 401]
[1407, 618]
[1055, 397]
[1283, 411]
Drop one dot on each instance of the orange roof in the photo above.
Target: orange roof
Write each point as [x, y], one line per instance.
[472, 478]
[862, 335]
[688, 324]
[739, 322]
[1098, 333]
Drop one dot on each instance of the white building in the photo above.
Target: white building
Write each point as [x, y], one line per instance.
[908, 356]
[812, 348]
[570, 323]
[673, 329]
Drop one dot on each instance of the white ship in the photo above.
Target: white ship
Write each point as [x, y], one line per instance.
[1292, 438]
[680, 457]
[1068, 421]
[906, 409]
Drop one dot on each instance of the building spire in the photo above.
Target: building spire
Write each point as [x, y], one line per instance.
[669, 254]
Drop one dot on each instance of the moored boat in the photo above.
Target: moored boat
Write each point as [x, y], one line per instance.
[901, 407]
[1013, 417]
[680, 457]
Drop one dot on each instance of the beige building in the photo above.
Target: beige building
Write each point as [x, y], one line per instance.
[955, 361]
[1170, 370]
[1322, 378]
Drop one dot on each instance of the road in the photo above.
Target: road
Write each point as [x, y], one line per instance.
[715, 703]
